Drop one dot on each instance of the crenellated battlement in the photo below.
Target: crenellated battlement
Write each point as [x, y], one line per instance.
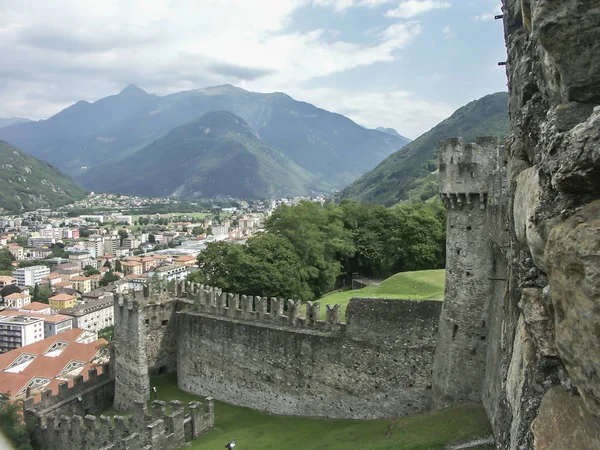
[468, 170]
[80, 396]
[159, 430]
[272, 311]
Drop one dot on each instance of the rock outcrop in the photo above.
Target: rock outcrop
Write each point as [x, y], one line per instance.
[547, 395]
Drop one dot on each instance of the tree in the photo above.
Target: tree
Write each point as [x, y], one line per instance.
[41, 293]
[270, 267]
[88, 271]
[9, 289]
[21, 240]
[318, 237]
[84, 232]
[118, 267]
[267, 266]
[123, 234]
[6, 259]
[197, 231]
[11, 423]
[151, 239]
[107, 264]
[109, 277]
[218, 262]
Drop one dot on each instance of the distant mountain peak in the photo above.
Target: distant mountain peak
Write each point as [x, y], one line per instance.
[391, 131]
[132, 89]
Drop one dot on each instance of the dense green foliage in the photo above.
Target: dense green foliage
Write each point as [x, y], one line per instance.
[11, 424]
[9, 289]
[408, 237]
[329, 147]
[109, 277]
[309, 247]
[266, 266]
[28, 183]
[6, 259]
[319, 238]
[41, 293]
[410, 173]
[107, 333]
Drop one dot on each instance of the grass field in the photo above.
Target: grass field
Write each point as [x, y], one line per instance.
[420, 285]
[254, 430]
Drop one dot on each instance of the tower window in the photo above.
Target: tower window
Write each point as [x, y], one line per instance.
[469, 228]
[472, 174]
[454, 331]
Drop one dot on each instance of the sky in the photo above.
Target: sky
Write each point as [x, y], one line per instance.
[405, 64]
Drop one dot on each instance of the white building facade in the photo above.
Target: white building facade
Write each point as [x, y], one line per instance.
[18, 331]
[30, 276]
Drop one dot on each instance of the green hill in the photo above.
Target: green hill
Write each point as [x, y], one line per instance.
[216, 155]
[418, 285]
[28, 183]
[410, 173]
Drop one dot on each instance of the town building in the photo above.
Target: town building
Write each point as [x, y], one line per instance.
[169, 273]
[6, 280]
[94, 315]
[17, 251]
[53, 323]
[30, 276]
[62, 301]
[18, 331]
[17, 300]
[133, 267]
[37, 308]
[40, 241]
[45, 364]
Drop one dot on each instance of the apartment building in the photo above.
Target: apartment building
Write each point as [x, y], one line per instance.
[94, 315]
[18, 331]
[30, 276]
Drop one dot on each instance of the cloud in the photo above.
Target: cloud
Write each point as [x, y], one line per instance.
[398, 109]
[85, 49]
[447, 32]
[342, 5]
[412, 8]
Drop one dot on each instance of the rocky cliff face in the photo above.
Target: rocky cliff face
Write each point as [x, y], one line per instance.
[546, 393]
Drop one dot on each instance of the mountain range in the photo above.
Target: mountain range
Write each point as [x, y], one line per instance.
[411, 172]
[28, 183]
[323, 151]
[218, 155]
[6, 122]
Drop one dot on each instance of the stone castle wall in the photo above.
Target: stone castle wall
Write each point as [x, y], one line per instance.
[260, 354]
[158, 431]
[83, 397]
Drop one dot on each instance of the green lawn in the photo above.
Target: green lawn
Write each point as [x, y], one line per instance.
[255, 430]
[420, 285]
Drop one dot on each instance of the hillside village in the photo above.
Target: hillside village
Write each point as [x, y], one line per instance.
[59, 272]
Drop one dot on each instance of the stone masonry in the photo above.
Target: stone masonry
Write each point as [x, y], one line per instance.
[264, 354]
[467, 185]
